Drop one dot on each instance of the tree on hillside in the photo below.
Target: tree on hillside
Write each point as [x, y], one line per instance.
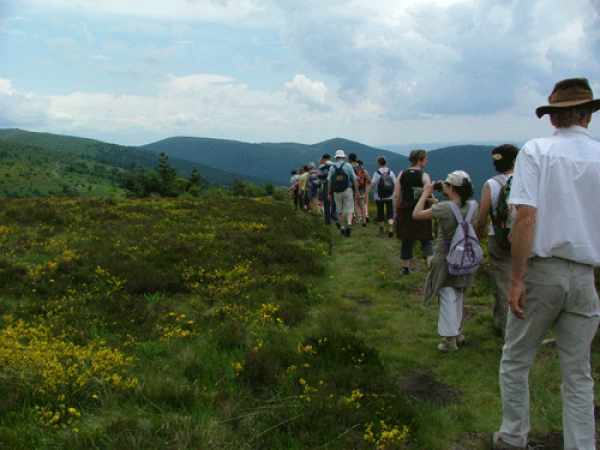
[194, 183]
[167, 176]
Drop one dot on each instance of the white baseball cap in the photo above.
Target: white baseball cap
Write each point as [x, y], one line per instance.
[340, 153]
[457, 177]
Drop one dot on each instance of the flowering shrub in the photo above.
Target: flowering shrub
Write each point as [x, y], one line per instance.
[58, 372]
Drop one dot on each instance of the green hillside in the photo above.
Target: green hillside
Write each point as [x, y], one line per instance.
[124, 157]
[179, 324]
[30, 171]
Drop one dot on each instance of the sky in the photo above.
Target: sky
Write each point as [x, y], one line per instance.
[380, 72]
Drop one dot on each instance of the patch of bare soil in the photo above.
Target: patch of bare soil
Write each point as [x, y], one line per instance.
[423, 387]
[359, 299]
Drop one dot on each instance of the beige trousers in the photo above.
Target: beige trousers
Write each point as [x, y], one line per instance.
[500, 265]
[560, 294]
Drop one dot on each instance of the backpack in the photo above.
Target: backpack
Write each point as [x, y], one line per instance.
[501, 219]
[340, 179]
[465, 253]
[386, 184]
[361, 176]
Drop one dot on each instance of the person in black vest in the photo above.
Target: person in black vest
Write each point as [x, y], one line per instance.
[329, 212]
[409, 186]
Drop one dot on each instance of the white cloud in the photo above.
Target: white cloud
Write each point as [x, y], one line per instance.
[21, 108]
[305, 90]
[417, 59]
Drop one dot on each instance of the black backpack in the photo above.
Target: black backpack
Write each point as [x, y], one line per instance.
[340, 179]
[386, 184]
[501, 220]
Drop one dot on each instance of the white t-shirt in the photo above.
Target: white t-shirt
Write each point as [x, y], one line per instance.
[495, 185]
[560, 177]
[375, 182]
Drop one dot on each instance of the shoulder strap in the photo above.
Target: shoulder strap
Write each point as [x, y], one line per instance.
[471, 211]
[498, 179]
[456, 211]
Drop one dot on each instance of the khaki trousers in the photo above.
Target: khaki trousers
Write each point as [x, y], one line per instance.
[560, 294]
[500, 265]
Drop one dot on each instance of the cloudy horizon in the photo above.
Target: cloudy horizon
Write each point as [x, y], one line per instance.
[452, 71]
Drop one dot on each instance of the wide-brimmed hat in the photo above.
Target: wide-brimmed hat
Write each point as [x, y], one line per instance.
[340, 153]
[568, 94]
[457, 178]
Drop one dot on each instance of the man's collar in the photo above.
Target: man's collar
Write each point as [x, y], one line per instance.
[573, 129]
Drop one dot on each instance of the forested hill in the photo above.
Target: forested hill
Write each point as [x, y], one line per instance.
[270, 161]
[118, 156]
[275, 161]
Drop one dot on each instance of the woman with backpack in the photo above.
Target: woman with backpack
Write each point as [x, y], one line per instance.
[494, 206]
[409, 186]
[457, 252]
[383, 185]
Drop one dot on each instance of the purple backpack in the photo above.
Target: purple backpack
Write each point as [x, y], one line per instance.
[465, 253]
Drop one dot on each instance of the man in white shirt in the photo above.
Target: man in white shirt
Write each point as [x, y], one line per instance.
[555, 246]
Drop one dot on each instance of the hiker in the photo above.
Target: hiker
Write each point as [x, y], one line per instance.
[293, 189]
[364, 183]
[329, 211]
[494, 206]
[384, 185]
[303, 187]
[555, 246]
[409, 186]
[313, 187]
[444, 279]
[342, 185]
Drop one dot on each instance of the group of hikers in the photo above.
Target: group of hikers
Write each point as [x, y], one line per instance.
[543, 235]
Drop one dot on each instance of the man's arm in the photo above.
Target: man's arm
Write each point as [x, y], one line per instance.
[484, 210]
[523, 231]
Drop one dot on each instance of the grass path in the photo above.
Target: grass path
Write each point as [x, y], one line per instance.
[457, 394]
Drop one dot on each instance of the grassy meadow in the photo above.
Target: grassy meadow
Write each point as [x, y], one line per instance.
[232, 323]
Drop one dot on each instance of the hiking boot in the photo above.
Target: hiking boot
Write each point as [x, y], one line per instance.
[448, 344]
[499, 444]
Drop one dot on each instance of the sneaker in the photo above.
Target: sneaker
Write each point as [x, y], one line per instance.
[448, 345]
[405, 271]
[499, 444]
[460, 340]
[364, 224]
[348, 231]
[391, 234]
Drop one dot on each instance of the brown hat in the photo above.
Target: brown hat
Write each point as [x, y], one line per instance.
[569, 93]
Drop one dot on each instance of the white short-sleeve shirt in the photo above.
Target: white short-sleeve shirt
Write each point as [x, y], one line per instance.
[560, 177]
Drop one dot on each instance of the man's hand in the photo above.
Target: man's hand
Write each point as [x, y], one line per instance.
[516, 297]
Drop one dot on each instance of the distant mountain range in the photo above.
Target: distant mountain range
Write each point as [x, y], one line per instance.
[275, 161]
[222, 161]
